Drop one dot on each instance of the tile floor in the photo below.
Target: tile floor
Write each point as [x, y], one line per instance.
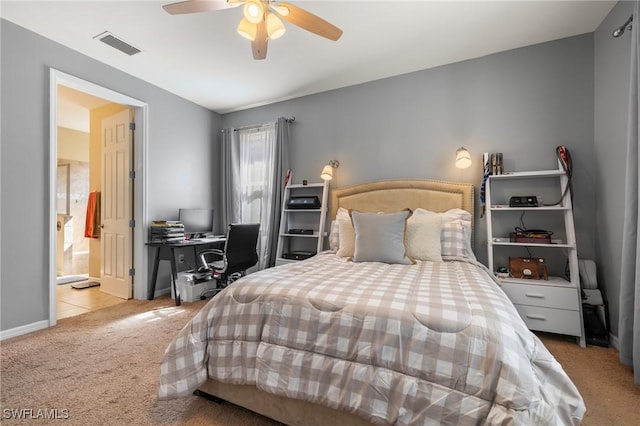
[72, 302]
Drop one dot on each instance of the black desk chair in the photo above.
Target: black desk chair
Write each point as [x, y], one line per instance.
[239, 254]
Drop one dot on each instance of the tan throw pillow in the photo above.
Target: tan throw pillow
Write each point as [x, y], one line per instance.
[423, 238]
[346, 237]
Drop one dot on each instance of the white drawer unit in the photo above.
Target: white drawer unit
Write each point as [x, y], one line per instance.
[559, 321]
[553, 305]
[542, 295]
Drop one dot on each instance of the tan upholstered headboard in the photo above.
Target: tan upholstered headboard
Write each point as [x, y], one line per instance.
[394, 195]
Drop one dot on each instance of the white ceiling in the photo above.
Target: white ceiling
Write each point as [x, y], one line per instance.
[200, 56]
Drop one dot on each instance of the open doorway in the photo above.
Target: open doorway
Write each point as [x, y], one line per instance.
[78, 112]
[79, 181]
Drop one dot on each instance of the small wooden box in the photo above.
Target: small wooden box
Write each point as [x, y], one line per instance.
[533, 268]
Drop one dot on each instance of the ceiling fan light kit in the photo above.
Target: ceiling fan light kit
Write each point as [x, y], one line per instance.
[275, 27]
[247, 30]
[253, 11]
[259, 22]
[281, 10]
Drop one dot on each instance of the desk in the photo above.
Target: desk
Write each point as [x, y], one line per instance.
[167, 251]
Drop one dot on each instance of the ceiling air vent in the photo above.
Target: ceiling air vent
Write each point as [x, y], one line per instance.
[113, 41]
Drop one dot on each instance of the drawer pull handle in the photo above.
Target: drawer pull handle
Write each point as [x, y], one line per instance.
[537, 317]
[536, 295]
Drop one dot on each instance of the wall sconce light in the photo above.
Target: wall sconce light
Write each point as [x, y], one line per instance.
[327, 171]
[463, 158]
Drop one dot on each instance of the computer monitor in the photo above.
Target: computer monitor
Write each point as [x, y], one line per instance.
[197, 222]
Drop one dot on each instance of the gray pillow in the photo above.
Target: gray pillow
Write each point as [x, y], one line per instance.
[380, 237]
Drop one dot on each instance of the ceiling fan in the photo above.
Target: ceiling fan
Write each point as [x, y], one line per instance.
[261, 19]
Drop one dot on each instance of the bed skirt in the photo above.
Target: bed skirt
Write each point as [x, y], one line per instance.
[292, 412]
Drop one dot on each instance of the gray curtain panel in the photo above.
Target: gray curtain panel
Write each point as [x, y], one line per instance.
[228, 178]
[629, 323]
[281, 167]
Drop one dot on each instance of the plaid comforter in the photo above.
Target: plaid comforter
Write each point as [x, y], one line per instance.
[430, 343]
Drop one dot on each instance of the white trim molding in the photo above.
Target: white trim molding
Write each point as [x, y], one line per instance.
[613, 340]
[24, 329]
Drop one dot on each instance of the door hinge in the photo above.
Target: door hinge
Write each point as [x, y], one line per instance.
[132, 126]
[132, 223]
[132, 272]
[132, 174]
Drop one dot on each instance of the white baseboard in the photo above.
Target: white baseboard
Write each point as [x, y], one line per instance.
[613, 340]
[163, 292]
[23, 329]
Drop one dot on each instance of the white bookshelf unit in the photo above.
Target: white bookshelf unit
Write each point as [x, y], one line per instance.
[553, 305]
[311, 219]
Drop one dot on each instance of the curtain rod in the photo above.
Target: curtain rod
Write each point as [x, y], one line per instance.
[620, 30]
[290, 119]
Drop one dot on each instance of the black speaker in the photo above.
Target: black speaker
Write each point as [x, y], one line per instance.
[595, 331]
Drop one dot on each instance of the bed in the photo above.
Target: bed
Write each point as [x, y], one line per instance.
[352, 338]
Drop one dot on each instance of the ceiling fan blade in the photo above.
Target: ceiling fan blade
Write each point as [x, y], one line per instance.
[308, 21]
[259, 44]
[195, 6]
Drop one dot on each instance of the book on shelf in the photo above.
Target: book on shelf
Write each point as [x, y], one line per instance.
[166, 231]
[165, 236]
[166, 240]
[167, 224]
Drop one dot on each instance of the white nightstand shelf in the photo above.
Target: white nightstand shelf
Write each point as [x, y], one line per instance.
[530, 174]
[552, 281]
[314, 235]
[307, 219]
[502, 207]
[553, 305]
[550, 246]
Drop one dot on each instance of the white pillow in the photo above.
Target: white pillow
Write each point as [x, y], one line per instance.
[448, 216]
[343, 213]
[423, 238]
[334, 236]
[456, 231]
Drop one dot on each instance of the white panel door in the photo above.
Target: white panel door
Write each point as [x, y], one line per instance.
[116, 209]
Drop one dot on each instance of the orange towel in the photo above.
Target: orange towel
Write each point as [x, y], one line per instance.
[92, 222]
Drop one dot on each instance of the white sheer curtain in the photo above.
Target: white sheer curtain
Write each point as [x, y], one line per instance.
[254, 161]
[629, 321]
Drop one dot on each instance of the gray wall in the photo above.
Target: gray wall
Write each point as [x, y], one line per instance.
[180, 141]
[612, 70]
[522, 103]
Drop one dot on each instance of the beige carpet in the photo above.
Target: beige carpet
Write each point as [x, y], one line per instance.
[103, 368]
[605, 385]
